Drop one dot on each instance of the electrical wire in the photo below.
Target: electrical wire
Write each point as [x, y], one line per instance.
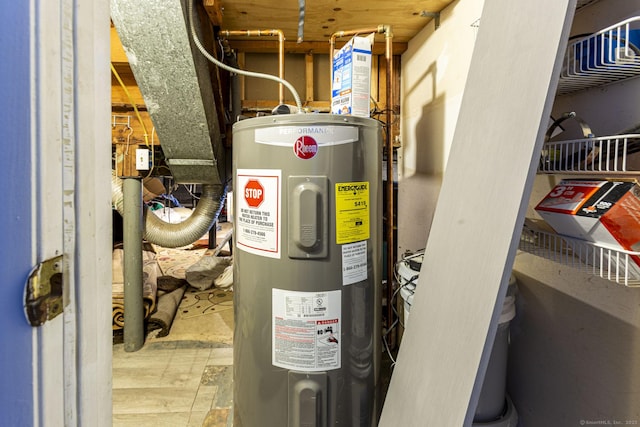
[153, 152]
[301, 13]
[135, 108]
[128, 144]
[186, 187]
[139, 117]
[207, 55]
[410, 284]
[126, 150]
[386, 345]
[221, 50]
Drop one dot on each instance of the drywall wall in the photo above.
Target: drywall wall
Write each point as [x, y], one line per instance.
[575, 347]
[434, 72]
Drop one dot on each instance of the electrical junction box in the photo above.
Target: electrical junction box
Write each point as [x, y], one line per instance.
[351, 77]
[604, 212]
[142, 159]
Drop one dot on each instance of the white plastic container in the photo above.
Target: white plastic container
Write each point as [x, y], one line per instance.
[407, 297]
[407, 272]
[494, 409]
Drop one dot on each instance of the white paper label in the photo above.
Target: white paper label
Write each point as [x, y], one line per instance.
[306, 330]
[354, 262]
[258, 198]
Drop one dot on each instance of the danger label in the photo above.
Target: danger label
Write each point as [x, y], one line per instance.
[306, 330]
[258, 211]
[352, 212]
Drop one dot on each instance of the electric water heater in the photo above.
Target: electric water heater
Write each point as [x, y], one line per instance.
[307, 270]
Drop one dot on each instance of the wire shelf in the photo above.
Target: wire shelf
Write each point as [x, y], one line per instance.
[616, 265]
[619, 154]
[610, 55]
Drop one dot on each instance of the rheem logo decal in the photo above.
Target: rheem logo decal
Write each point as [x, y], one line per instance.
[305, 147]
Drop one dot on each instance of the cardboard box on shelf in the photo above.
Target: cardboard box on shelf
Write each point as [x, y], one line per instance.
[351, 77]
[604, 212]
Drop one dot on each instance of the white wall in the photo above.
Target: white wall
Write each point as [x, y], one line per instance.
[434, 71]
[575, 347]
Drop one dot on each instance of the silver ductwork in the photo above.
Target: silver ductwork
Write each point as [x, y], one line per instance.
[175, 82]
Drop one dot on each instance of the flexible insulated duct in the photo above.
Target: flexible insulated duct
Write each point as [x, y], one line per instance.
[183, 233]
[193, 228]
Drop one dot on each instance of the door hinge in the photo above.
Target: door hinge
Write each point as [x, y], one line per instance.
[43, 293]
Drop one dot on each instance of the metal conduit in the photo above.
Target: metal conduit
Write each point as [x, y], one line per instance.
[261, 33]
[388, 34]
[301, 13]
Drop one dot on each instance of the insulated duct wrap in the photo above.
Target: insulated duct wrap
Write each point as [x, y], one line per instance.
[175, 82]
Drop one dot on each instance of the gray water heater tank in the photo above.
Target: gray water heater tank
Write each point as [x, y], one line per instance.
[307, 270]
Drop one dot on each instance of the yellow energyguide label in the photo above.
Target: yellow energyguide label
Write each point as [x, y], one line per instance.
[352, 212]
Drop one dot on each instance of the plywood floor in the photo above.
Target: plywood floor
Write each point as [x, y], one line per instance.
[180, 383]
[184, 379]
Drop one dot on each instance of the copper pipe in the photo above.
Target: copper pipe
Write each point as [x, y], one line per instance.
[391, 257]
[260, 33]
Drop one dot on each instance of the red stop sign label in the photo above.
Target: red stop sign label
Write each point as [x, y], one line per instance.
[254, 193]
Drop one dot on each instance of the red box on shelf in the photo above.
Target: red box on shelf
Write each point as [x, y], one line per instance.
[604, 212]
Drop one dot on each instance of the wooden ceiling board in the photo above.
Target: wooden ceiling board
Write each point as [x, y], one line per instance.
[325, 17]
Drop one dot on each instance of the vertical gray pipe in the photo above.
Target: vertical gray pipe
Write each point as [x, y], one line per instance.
[132, 228]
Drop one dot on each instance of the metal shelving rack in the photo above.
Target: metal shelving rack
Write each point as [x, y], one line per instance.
[608, 56]
[607, 155]
[612, 264]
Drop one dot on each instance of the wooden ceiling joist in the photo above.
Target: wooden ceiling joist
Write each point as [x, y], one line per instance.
[214, 10]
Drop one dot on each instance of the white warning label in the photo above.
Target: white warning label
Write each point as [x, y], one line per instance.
[258, 211]
[354, 263]
[306, 330]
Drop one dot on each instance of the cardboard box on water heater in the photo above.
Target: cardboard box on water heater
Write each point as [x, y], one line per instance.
[604, 212]
[351, 77]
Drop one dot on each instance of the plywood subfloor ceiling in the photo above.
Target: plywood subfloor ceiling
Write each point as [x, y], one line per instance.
[325, 17]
